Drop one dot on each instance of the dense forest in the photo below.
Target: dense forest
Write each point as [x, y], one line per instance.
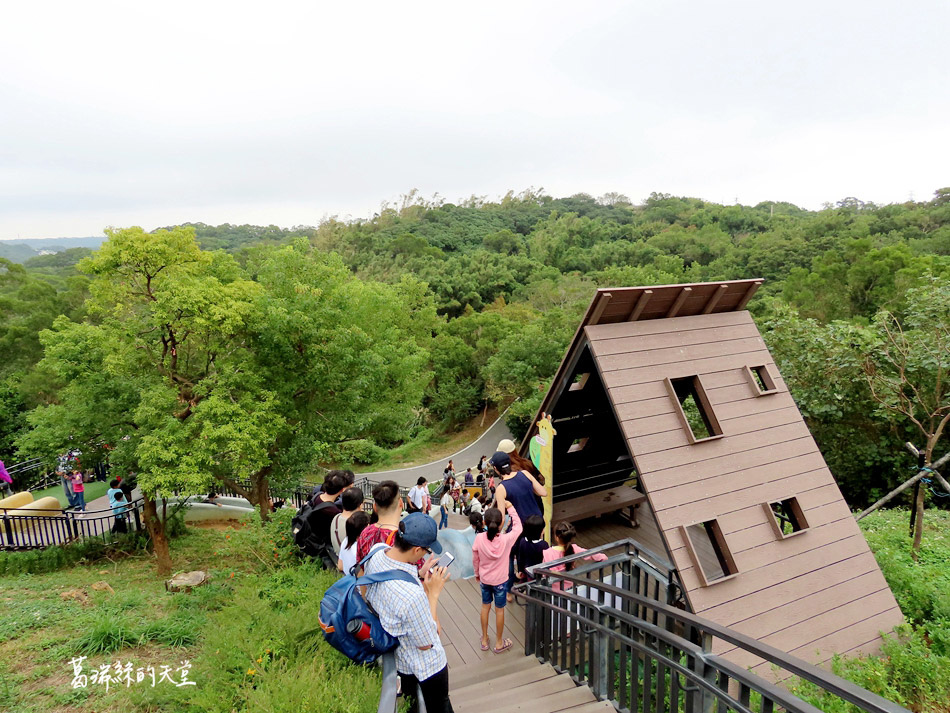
[336, 342]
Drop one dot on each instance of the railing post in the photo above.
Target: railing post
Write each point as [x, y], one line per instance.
[387, 697]
[599, 666]
[703, 701]
[8, 530]
[530, 625]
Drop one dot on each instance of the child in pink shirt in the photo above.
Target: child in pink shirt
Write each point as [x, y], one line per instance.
[564, 535]
[490, 555]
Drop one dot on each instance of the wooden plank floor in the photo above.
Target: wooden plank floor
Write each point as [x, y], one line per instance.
[510, 681]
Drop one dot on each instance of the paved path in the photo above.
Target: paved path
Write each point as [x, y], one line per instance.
[485, 445]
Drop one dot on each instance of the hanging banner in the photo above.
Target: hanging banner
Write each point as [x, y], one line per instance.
[541, 450]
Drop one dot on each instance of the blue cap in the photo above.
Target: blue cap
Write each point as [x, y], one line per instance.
[420, 530]
[500, 460]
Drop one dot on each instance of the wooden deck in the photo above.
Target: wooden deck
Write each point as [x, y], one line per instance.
[510, 681]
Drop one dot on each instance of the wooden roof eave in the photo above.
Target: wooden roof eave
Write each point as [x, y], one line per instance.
[603, 297]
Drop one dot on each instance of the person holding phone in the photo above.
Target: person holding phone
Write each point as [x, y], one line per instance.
[409, 611]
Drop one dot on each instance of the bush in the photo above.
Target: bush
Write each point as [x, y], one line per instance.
[109, 633]
[268, 545]
[359, 450]
[521, 414]
[907, 672]
[60, 556]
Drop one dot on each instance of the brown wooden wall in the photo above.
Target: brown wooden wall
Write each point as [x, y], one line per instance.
[817, 591]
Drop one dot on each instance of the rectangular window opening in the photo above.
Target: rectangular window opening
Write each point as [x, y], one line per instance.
[710, 552]
[761, 380]
[694, 409]
[578, 445]
[580, 381]
[787, 517]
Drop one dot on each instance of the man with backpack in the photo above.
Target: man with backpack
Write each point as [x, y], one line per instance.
[409, 611]
[313, 522]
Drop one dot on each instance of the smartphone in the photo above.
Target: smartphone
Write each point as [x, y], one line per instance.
[445, 559]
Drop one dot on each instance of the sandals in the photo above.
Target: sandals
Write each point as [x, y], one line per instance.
[484, 646]
[505, 645]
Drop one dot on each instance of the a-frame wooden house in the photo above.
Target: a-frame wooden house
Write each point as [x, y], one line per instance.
[675, 383]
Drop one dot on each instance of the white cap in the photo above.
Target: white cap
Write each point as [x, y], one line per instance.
[506, 445]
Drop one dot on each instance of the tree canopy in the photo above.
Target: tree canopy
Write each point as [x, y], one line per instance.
[243, 352]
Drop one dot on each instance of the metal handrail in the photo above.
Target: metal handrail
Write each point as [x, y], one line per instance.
[674, 644]
[20, 531]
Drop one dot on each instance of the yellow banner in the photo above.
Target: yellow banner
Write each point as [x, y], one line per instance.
[545, 439]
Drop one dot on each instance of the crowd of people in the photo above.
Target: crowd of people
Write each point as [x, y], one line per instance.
[506, 525]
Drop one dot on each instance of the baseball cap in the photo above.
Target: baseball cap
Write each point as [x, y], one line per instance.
[420, 530]
[506, 445]
[500, 460]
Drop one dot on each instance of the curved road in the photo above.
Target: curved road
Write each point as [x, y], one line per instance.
[485, 445]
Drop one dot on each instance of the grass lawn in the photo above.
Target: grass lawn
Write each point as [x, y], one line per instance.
[240, 635]
[93, 491]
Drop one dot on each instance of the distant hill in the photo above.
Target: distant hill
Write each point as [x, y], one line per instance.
[21, 250]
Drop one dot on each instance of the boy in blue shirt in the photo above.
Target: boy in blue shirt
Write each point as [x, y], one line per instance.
[119, 506]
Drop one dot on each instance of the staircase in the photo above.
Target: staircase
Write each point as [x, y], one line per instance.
[520, 683]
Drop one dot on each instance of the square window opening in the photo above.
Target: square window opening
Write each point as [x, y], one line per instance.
[694, 409]
[761, 380]
[710, 552]
[580, 381]
[787, 517]
[578, 445]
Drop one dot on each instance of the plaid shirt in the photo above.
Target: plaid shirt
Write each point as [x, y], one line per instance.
[404, 612]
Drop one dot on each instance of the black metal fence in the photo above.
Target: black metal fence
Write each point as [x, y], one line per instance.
[30, 529]
[609, 625]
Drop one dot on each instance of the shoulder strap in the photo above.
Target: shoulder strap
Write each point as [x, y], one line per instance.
[321, 505]
[386, 576]
[372, 551]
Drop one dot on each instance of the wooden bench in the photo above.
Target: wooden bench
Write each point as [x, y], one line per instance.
[596, 504]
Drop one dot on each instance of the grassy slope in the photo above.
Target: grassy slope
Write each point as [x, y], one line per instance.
[240, 633]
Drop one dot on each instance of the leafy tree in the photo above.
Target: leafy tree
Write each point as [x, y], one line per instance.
[909, 371]
[823, 368]
[195, 372]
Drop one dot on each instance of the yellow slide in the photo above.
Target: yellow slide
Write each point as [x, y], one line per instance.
[17, 500]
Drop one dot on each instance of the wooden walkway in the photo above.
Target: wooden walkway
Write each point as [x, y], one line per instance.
[510, 681]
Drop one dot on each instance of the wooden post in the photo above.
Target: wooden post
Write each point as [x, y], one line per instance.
[913, 510]
[906, 484]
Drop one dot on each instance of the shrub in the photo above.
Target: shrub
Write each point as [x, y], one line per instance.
[359, 450]
[109, 633]
[269, 545]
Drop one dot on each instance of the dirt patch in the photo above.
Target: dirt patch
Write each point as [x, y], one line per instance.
[103, 586]
[58, 681]
[218, 525]
[78, 595]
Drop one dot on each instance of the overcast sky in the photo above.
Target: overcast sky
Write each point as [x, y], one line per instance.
[156, 113]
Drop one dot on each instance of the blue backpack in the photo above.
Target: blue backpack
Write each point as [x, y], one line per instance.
[348, 621]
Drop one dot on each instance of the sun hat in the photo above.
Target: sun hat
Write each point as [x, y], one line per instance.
[506, 445]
